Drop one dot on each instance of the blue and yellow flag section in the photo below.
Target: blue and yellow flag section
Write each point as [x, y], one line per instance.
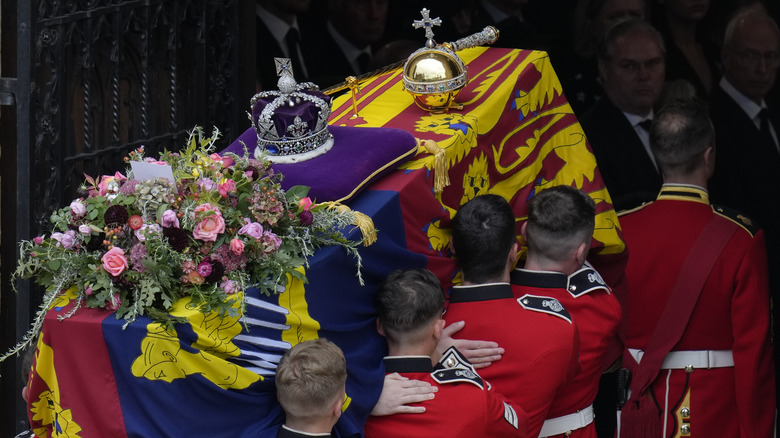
[516, 135]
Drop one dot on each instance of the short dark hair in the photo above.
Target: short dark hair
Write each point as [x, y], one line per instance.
[623, 27]
[560, 218]
[407, 301]
[309, 377]
[681, 132]
[483, 232]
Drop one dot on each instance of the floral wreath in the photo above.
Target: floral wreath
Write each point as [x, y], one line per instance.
[135, 245]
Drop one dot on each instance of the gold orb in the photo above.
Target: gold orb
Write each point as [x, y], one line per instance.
[434, 76]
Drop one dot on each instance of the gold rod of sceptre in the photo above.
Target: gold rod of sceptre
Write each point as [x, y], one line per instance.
[488, 35]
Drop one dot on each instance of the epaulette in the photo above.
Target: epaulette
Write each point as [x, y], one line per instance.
[586, 280]
[544, 305]
[454, 367]
[738, 218]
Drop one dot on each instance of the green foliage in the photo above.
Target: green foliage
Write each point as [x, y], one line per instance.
[223, 226]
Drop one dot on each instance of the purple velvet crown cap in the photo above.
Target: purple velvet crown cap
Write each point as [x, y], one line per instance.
[291, 123]
[358, 157]
[285, 114]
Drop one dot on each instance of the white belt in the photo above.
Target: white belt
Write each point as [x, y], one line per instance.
[563, 424]
[679, 360]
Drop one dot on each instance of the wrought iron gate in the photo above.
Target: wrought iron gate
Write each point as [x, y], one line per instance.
[93, 80]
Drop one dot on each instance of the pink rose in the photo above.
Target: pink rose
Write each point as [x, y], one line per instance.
[67, 239]
[252, 229]
[211, 225]
[77, 209]
[114, 261]
[227, 187]
[305, 203]
[237, 246]
[224, 161]
[85, 229]
[38, 240]
[169, 219]
[229, 286]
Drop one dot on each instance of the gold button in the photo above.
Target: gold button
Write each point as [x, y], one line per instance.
[685, 429]
[688, 368]
[685, 412]
[450, 362]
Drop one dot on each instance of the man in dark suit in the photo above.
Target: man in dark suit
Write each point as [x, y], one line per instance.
[747, 125]
[507, 15]
[631, 68]
[279, 36]
[343, 45]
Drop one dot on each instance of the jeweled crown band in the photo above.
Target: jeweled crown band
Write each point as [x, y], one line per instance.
[291, 123]
[296, 146]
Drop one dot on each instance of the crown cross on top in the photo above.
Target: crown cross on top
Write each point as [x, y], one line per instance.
[427, 22]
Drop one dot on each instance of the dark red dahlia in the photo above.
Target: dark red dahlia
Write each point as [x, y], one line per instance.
[115, 216]
[217, 271]
[177, 238]
[306, 217]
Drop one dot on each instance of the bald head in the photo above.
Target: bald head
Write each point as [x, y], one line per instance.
[751, 53]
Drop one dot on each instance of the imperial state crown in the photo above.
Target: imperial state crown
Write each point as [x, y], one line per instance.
[292, 122]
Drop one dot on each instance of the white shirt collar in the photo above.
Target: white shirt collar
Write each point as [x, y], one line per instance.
[636, 119]
[277, 27]
[748, 106]
[306, 433]
[350, 50]
[460, 286]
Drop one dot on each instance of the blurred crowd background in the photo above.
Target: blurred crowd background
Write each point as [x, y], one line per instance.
[338, 38]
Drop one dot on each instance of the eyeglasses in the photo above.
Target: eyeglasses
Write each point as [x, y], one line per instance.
[751, 58]
[633, 67]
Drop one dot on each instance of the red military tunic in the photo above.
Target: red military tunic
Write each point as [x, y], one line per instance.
[537, 334]
[597, 315]
[731, 317]
[465, 405]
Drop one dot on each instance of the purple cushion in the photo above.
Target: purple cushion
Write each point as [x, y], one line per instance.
[358, 157]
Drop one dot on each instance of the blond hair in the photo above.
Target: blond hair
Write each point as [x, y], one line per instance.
[309, 377]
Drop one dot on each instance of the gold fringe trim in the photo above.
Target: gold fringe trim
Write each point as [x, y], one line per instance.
[441, 176]
[362, 221]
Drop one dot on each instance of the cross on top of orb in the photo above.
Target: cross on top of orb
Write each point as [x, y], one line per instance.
[428, 24]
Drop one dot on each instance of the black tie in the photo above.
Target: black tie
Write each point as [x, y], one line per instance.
[362, 61]
[292, 48]
[646, 124]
